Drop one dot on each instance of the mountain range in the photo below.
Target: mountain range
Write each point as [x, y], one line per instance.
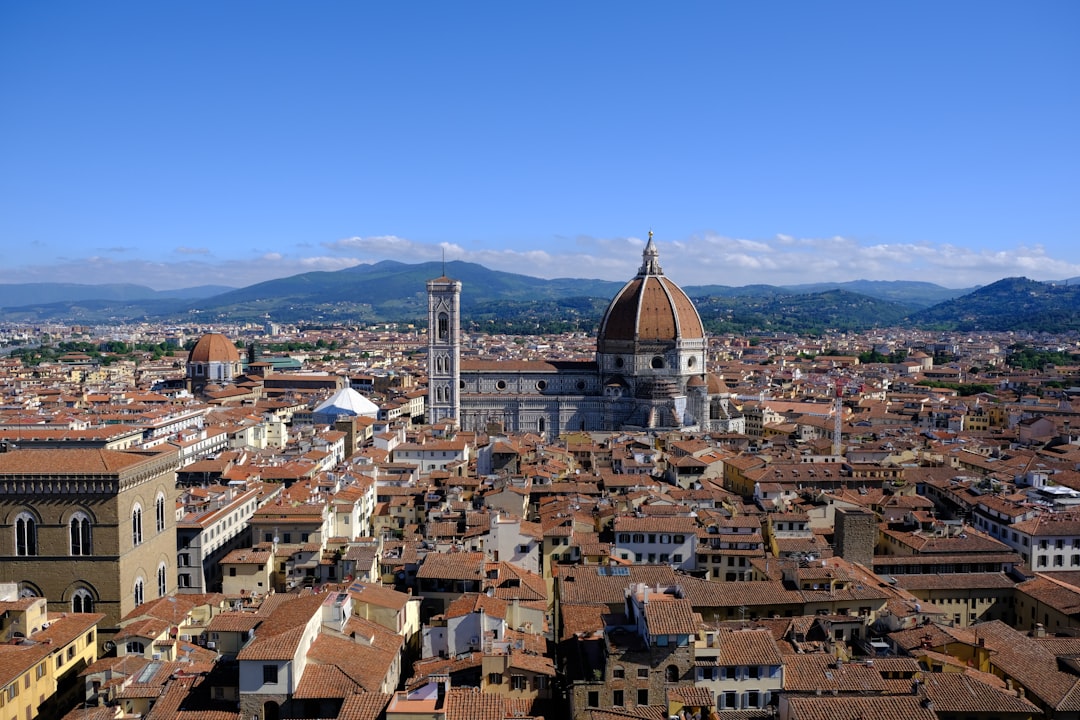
[391, 291]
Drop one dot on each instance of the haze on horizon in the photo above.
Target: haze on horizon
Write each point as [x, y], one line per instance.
[182, 145]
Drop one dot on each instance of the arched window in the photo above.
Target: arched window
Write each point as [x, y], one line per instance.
[26, 590]
[671, 674]
[82, 601]
[159, 512]
[25, 534]
[136, 525]
[135, 647]
[161, 584]
[138, 591]
[444, 326]
[79, 535]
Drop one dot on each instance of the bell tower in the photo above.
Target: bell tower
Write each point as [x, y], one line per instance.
[444, 349]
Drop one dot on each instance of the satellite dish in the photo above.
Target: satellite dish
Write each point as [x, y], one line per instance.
[109, 645]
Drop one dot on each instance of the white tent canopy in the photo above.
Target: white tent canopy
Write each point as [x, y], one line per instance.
[347, 402]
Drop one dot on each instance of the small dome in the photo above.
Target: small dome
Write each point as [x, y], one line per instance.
[717, 386]
[649, 308]
[214, 348]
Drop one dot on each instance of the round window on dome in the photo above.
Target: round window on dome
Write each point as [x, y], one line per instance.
[658, 362]
[580, 384]
[619, 362]
[541, 385]
[691, 361]
[500, 385]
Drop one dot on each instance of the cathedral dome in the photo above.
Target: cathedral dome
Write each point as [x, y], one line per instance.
[649, 308]
[214, 348]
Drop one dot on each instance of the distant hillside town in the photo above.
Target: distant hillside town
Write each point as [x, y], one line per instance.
[394, 521]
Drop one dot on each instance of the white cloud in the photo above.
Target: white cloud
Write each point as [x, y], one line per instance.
[172, 275]
[705, 259]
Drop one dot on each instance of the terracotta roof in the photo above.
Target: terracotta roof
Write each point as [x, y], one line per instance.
[959, 693]
[810, 673]
[452, 566]
[586, 585]
[71, 461]
[889, 707]
[364, 706]
[324, 681]
[355, 663]
[748, 647]
[471, 704]
[670, 616]
[278, 636]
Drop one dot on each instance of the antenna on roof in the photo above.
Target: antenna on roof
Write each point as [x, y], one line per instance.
[444, 261]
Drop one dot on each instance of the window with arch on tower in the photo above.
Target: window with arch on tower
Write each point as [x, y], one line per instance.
[159, 512]
[137, 591]
[79, 534]
[162, 585]
[136, 525]
[444, 326]
[25, 534]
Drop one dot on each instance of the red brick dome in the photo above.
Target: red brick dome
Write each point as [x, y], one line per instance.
[214, 348]
[649, 308]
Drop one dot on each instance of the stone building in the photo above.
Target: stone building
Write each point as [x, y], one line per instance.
[642, 652]
[91, 530]
[649, 371]
[856, 534]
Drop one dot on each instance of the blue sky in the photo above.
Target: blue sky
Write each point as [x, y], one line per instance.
[185, 143]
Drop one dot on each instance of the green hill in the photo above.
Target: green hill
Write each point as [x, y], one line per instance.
[513, 302]
[1015, 303]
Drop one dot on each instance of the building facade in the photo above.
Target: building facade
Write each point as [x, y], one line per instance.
[91, 530]
[649, 370]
